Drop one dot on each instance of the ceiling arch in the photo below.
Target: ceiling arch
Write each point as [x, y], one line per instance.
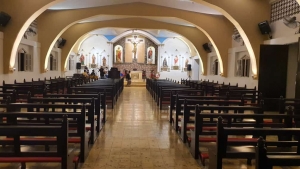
[22, 17]
[193, 34]
[245, 18]
[208, 24]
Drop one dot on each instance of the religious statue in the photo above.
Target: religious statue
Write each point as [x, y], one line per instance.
[118, 55]
[186, 62]
[82, 59]
[165, 64]
[176, 60]
[93, 59]
[135, 43]
[104, 61]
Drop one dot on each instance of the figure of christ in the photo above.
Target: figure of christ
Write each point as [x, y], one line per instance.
[176, 61]
[104, 61]
[93, 59]
[118, 55]
[135, 46]
[81, 59]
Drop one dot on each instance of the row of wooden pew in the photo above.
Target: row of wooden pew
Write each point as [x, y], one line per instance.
[55, 127]
[228, 126]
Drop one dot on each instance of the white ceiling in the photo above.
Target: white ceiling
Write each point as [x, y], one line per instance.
[118, 31]
[170, 20]
[177, 4]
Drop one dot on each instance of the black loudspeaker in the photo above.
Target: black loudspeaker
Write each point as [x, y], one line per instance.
[78, 65]
[264, 27]
[62, 43]
[189, 67]
[4, 18]
[206, 47]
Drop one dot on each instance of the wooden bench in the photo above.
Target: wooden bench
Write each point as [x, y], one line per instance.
[253, 120]
[16, 155]
[265, 161]
[78, 135]
[245, 149]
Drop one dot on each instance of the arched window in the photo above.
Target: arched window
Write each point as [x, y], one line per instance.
[24, 61]
[53, 63]
[215, 67]
[243, 67]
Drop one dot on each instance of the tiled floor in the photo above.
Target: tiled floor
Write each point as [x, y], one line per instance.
[137, 135]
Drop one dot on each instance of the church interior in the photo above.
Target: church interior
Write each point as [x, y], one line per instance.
[149, 84]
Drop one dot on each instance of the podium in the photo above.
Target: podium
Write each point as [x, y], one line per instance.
[114, 73]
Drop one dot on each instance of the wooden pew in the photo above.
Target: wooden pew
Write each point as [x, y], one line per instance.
[166, 93]
[59, 155]
[265, 161]
[189, 105]
[79, 136]
[237, 150]
[257, 120]
[91, 107]
[100, 99]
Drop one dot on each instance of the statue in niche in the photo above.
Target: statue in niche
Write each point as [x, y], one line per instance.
[81, 59]
[119, 55]
[93, 59]
[176, 61]
[104, 61]
[165, 64]
[186, 62]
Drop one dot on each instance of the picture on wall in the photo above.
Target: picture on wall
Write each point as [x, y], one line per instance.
[118, 54]
[151, 55]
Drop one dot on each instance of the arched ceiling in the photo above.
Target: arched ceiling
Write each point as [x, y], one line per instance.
[177, 4]
[171, 20]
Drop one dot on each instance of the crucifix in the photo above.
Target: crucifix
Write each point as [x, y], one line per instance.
[135, 42]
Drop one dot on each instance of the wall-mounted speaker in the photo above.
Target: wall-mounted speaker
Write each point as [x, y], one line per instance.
[78, 65]
[4, 18]
[62, 43]
[206, 47]
[189, 67]
[264, 27]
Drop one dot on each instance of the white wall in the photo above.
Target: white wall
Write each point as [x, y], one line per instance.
[96, 45]
[33, 48]
[175, 47]
[233, 54]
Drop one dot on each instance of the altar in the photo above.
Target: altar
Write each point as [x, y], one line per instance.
[136, 76]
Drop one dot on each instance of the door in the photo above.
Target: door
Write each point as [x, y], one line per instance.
[273, 73]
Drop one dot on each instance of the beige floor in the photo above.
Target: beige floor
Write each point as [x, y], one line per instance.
[137, 135]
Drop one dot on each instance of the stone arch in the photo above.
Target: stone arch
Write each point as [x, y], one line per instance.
[245, 20]
[196, 37]
[22, 17]
[209, 24]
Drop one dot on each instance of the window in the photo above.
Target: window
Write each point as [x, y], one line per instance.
[71, 64]
[243, 67]
[53, 63]
[24, 61]
[215, 67]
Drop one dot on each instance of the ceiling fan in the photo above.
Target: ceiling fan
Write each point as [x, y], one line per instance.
[291, 22]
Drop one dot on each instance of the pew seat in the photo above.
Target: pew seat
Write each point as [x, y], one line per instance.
[75, 140]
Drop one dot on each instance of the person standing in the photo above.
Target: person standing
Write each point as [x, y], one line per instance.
[128, 78]
[101, 70]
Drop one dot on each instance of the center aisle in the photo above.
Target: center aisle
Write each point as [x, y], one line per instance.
[136, 135]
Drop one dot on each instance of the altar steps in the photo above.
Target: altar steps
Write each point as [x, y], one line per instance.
[135, 84]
